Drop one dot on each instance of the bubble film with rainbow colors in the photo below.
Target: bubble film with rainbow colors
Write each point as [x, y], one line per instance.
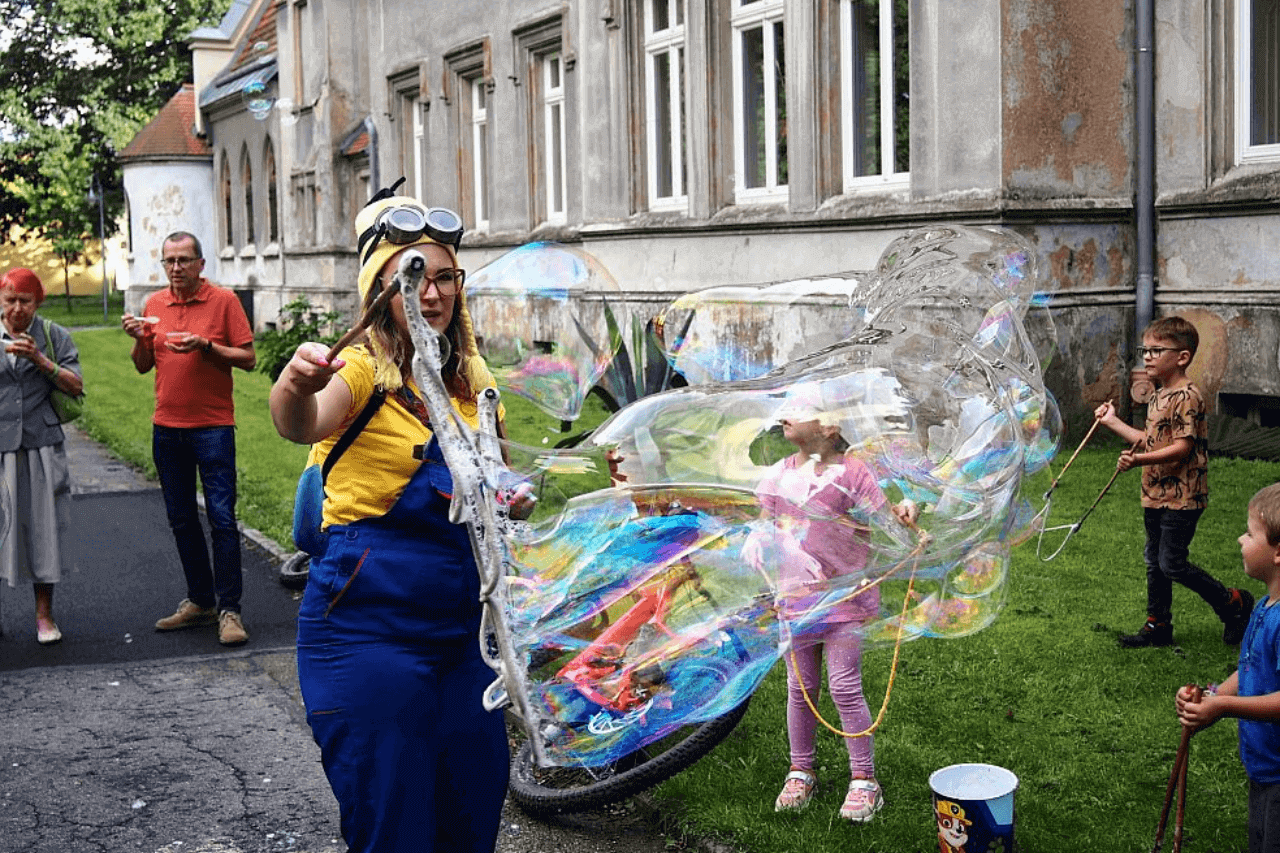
[675, 556]
[540, 341]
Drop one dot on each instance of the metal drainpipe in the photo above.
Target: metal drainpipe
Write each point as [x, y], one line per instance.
[1144, 203]
[374, 181]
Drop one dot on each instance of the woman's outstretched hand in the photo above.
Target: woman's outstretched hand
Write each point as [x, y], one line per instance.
[310, 370]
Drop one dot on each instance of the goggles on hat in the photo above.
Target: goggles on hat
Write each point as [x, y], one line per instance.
[405, 223]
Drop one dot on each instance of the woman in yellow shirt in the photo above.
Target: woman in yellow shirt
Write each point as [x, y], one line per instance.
[388, 654]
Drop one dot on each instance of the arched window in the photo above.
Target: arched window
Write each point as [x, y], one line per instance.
[273, 198]
[228, 234]
[246, 179]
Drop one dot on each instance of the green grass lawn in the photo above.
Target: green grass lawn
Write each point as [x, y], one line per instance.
[1046, 691]
[83, 310]
[1087, 726]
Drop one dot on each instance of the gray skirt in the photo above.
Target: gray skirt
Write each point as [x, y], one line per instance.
[36, 504]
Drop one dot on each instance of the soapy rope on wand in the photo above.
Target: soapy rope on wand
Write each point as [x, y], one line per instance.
[1073, 528]
[914, 559]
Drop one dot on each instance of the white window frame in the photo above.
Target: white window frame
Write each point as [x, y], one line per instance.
[750, 15]
[479, 152]
[554, 160]
[668, 42]
[271, 177]
[250, 235]
[413, 105]
[887, 179]
[1245, 152]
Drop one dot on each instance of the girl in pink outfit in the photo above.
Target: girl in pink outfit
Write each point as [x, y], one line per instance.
[814, 497]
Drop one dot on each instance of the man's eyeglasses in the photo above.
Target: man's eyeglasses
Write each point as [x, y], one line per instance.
[447, 281]
[170, 263]
[1154, 352]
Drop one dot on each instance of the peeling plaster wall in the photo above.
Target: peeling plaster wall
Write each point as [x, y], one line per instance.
[1182, 112]
[165, 197]
[1224, 270]
[1022, 114]
[1068, 98]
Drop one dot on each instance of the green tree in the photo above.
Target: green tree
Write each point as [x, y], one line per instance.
[78, 79]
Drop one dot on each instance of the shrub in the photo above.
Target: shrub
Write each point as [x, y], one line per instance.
[299, 322]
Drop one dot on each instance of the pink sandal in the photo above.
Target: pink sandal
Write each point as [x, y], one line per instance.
[796, 791]
[863, 800]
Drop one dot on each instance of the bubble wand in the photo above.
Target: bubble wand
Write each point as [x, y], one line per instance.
[474, 464]
[1073, 528]
[366, 320]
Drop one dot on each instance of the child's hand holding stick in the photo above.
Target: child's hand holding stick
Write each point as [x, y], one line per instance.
[1178, 779]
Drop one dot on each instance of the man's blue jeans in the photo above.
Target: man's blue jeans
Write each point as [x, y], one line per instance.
[179, 454]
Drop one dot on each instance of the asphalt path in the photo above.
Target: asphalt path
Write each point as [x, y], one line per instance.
[127, 576]
[122, 738]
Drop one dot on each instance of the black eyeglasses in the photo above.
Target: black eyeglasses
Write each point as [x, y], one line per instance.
[170, 263]
[1154, 352]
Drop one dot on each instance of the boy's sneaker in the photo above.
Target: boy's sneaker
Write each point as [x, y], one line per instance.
[231, 630]
[1152, 633]
[188, 615]
[1237, 616]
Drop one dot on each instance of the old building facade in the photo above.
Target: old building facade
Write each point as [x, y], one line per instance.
[694, 143]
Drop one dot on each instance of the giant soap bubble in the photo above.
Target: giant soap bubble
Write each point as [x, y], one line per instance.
[548, 322]
[679, 551]
[713, 335]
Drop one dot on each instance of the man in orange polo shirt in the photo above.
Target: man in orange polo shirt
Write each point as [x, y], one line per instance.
[193, 332]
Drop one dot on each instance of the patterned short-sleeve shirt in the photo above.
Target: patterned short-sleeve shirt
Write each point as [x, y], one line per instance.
[1172, 414]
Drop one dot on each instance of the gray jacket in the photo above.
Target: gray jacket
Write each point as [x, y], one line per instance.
[27, 419]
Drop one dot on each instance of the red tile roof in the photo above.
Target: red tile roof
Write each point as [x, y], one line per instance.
[259, 43]
[171, 133]
[358, 144]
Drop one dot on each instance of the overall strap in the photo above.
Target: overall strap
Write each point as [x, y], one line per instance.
[361, 421]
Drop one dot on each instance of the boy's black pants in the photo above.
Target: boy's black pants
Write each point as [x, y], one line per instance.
[1169, 533]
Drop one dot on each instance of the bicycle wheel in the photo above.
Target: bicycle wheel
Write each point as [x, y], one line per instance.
[542, 791]
[294, 571]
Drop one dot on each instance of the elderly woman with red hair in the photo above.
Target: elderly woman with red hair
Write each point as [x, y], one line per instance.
[33, 462]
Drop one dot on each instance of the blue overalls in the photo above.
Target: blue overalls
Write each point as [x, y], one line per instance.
[391, 675]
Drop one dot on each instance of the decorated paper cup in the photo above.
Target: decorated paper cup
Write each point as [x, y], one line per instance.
[973, 807]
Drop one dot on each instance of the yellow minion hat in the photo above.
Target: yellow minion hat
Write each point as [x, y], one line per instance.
[375, 255]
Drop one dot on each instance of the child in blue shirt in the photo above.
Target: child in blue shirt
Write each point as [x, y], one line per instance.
[1252, 693]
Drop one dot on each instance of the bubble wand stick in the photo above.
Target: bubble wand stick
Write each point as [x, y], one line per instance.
[1088, 435]
[366, 320]
[1074, 527]
[1178, 779]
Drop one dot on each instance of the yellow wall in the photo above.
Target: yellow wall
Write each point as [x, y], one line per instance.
[36, 254]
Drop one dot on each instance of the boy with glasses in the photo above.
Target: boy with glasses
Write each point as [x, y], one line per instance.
[1173, 452]
[193, 332]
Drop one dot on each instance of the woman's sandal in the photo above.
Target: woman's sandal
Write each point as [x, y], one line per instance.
[863, 800]
[796, 791]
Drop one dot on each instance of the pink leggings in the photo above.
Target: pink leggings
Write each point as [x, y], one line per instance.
[843, 644]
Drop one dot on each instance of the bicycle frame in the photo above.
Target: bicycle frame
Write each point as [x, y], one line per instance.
[603, 671]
